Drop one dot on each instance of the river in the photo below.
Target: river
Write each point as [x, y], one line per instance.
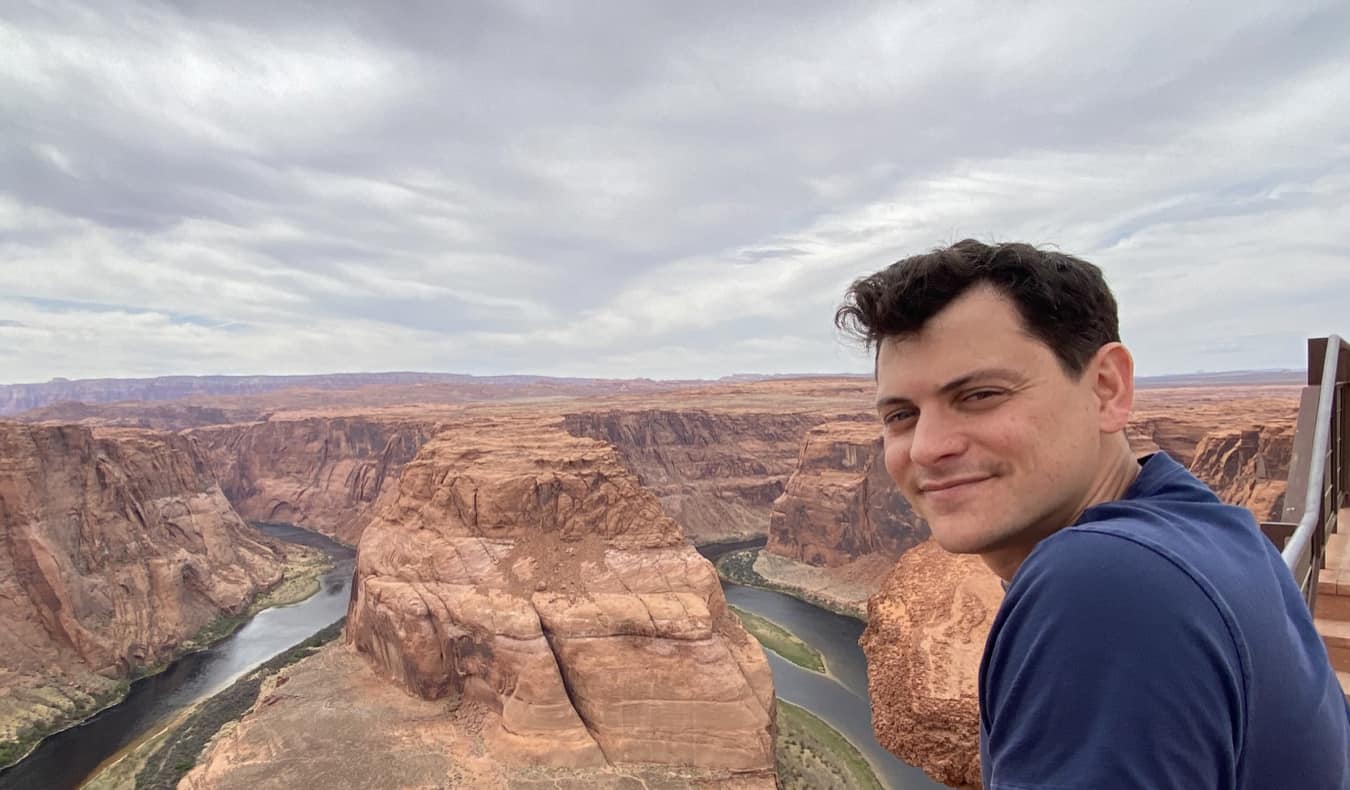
[839, 699]
[67, 758]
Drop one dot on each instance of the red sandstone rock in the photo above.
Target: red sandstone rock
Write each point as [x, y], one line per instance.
[1248, 467]
[337, 724]
[115, 548]
[524, 568]
[924, 638]
[716, 473]
[840, 504]
[323, 473]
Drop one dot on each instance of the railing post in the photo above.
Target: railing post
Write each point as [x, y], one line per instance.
[1342, 436]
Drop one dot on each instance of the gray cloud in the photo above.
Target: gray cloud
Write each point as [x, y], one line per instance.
[608, 189]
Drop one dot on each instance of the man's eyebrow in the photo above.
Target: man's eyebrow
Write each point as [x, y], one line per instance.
[1006, 374]
[955, 384]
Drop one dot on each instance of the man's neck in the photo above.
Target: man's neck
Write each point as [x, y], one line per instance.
[1117, 473]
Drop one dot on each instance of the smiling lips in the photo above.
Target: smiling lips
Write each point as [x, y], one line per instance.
[951, 484]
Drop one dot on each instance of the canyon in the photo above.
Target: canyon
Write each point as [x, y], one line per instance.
[519, 556]
[116, 548]
[521, 579]
[321, 472]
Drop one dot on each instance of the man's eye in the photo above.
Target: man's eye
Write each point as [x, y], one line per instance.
[983, 395]
[898, 416]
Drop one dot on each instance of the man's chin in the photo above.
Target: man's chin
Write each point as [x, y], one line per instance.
[954, 542]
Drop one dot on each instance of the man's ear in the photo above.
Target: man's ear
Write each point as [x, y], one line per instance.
[1112, 369]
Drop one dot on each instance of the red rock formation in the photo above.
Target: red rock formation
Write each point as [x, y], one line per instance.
[157, 415]
[840, 504]
[115, 548]
[1178, 438]
[1248, 466]
[924, 638]
[717, 473]
[524, 568]
[323, 473]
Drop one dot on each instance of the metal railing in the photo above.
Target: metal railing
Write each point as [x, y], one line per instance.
[1319, 477]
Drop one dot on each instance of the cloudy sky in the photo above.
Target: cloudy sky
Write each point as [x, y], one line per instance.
[648, 189]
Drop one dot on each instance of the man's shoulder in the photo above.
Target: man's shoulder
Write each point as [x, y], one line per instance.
[1105, 553]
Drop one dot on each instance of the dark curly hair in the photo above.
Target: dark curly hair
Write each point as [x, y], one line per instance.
[1062, 300]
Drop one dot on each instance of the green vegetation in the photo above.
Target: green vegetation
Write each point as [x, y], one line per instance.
[781, 641]
[738, 567]
[15, 749]
[11, 751]
[813, 754]
[176, 752]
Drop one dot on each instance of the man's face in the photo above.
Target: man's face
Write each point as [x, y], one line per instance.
[985, 434]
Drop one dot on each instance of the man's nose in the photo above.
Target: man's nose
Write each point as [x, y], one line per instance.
[936, 437]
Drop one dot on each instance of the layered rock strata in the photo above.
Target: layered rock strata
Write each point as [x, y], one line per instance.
[840, 504]
[154, 415]
[330, 721]
[1248, 466]
[717, 473]
[116, 547]
[525, 569]
[324, 473]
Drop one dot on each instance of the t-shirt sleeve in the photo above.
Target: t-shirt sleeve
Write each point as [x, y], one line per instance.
[1110, 667]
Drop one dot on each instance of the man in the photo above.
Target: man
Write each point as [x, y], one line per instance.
[1151, 636]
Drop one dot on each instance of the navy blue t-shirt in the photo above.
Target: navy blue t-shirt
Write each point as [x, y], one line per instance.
[1159, 642]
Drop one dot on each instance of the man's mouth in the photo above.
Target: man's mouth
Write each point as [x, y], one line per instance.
[951, 484]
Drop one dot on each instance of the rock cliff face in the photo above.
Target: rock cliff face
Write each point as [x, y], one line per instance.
[115, 548]
[1175, 436]
[716, 473]
[525, 569]
[323, 473]
[1248, 466]
[840, 504]
[924, 638]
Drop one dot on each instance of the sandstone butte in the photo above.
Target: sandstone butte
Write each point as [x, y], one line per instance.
[116, 547]
[522, 575]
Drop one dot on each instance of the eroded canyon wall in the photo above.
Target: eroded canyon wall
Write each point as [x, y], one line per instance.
[1248, 466]
[324, 472]
[840, 504]
[116, 547]
[717, 473]
[525, 569]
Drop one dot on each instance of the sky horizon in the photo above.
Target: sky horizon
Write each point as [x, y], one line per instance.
[805, 374]
[603, 190]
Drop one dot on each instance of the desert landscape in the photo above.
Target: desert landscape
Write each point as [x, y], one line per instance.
[528, 606]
